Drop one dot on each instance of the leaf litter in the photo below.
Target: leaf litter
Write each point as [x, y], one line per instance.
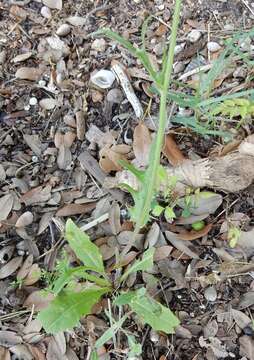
[62, 138]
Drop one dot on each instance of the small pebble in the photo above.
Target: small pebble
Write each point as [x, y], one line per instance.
[229, 27]
[178, 67]
[27, 107]
[154, 336]
[63, 30]
[115, 96]
[99, 45]
[213, 46]
[179, 48]
[33, 101]
[210, 293]
[194, 36]
[45, 12]
[42, 83]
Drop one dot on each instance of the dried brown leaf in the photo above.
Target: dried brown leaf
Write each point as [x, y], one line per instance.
[193, 235]
[25, 219]
[6, 204]
[241, 318]
[75, 209]
[172, 151]
[22, 352]
[69, 138]
[33, 275]
[37, 195]
[9, 338]
[28, 73]
[25, 268]
[9, 268]
[141, 144]
[162, 252]
[181, 245]
[247, 346]
[109, 159]
[114, 218]
[4, 354]
[36, 352]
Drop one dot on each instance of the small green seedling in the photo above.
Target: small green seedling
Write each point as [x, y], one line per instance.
[234, 234]
[78, 289]
[199, 225]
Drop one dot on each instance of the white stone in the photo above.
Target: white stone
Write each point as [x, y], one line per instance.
[194, 36]
[45, 12]
[178, 67]
[103, 78]
[210, 293]
[33, 101]
[99, 45]
[213, 46]
[63, 30]
[179, 48]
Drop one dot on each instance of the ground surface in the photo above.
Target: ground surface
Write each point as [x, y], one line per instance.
[50, 114]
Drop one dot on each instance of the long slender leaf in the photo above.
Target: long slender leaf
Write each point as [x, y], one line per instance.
[84, 249]
[108, 334]
[146, 263]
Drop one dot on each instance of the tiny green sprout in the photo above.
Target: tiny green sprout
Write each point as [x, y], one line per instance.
[157, 210]
[198, 225]
[234, 234]
[169, 213]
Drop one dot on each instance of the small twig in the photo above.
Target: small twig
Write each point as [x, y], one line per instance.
[248, 6]
[195, 71]
[95, 222]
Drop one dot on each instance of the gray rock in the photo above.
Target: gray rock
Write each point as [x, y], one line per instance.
[194, 36]
[213, 46]
[210, 293]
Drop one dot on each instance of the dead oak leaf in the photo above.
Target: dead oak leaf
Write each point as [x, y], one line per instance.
[141, 144]
[37, 195]
[6, 204]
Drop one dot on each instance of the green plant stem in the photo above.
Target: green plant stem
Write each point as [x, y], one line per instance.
[162, 123]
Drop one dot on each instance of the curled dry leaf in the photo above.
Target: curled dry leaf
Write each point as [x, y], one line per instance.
[9, 268]
[172, 151]
[193, 235]
[25, 219]
[37, 195]
[25, 268]
[53, 351]
[103, 78]
[110, 157]
[75, 209]
[141, 144]
[28, 73]
[152, 236]
[36, 352]
[206, 202]
[6, 204]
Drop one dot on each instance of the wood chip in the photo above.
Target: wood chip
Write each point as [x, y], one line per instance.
[81, 125]
[28, 73]
[141, 144]
[37, 195]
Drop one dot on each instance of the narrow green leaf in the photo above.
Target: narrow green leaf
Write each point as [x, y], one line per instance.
[94, 355]
[146, 263]
[159, 317]
[108, 334]
[135, 348]
[79, 272]
[124, 298]
[66, 309]
[84, 249]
